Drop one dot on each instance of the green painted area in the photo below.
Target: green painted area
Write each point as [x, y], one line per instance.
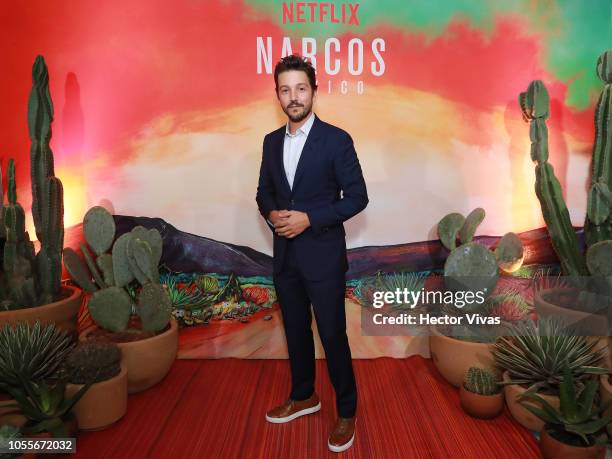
[573, 32]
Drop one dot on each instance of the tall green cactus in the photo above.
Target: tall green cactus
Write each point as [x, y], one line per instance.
[598, 221]
[47, 190]
[534, 105]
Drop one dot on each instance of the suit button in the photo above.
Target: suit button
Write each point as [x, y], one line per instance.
[292, 202]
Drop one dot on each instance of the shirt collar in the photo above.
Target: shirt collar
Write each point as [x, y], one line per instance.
[305, 128]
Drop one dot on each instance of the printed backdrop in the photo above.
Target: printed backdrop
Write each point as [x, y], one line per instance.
[161, 107]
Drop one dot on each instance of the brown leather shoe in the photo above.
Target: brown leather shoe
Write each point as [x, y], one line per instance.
[342, 436]
[292, 409]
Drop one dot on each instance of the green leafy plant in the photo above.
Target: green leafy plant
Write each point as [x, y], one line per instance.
[535, 356]
[112, 278]
[92, 362]
[44, 405]
[31, 352]
[481, 381]
[577, 421]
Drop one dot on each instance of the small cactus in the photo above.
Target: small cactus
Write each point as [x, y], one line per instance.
[480, 381]
[93, 361]
[135, 256]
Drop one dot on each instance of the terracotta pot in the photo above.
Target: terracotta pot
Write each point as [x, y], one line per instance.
[522, 415]
[63, 313]
[10, 415]
[605, 390]
[104, 403]
[592, 324]
[452, 357]
[554, 449]
[147, 360]
[481, 406]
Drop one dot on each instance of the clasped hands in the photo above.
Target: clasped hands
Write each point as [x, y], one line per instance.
[289, 223]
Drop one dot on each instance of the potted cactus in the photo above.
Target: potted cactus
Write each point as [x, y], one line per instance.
[475, 268]
[571, 429]
[7, 433]
[533, 359]
[28, 353]
[30, 287]
[579, 304]
[128, 303]
[480, 395]
[99, 364]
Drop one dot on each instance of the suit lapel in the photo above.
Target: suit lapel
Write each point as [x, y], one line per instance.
[307, 152]
[280, 142]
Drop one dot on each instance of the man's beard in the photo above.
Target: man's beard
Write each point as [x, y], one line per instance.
[299, 117]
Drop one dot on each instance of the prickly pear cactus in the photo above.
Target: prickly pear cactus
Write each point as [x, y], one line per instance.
[471, 267]
[471, 223]
[509, 253]
[78, 270]
[99, 229]
[111, 308]
[154, 307]
[599, 258]
[448, 229]
[121, 265]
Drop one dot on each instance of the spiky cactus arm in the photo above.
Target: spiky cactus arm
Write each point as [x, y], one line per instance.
[40, 116]
[534, 105]
[598, 222]
[47, 190]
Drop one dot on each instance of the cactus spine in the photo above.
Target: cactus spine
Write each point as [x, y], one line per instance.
[534, 105]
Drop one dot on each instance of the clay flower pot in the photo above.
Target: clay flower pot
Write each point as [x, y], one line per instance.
[481, 406]
[147, 360]
[10, 415]
[522, 415]
[554, 449]
[605, 390]
[103, 404]
[62, 313]
[595, 324]
[452, 357]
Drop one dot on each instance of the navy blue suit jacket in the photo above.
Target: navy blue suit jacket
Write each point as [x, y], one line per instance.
[328, 166]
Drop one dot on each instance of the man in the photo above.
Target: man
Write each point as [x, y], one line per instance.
[305, 167]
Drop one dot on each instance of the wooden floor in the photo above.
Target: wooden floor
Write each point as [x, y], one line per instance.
[215, 408]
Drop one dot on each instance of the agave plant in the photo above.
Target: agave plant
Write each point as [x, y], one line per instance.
[578, 420]
[390, 282]
[45, 406]
[536, 355]
[7, 433]
[31, 352]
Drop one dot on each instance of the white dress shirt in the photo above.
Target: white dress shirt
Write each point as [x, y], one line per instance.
[293, 146]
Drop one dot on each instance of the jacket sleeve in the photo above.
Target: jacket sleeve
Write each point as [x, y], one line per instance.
[266, 196]
[354, 193]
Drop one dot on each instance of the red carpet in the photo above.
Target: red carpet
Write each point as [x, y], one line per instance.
[215, 408]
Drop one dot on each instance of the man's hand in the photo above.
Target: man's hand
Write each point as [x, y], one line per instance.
[291, 223]
[275, 217]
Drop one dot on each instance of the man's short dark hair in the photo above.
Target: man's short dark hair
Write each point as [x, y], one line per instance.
[296, 62]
